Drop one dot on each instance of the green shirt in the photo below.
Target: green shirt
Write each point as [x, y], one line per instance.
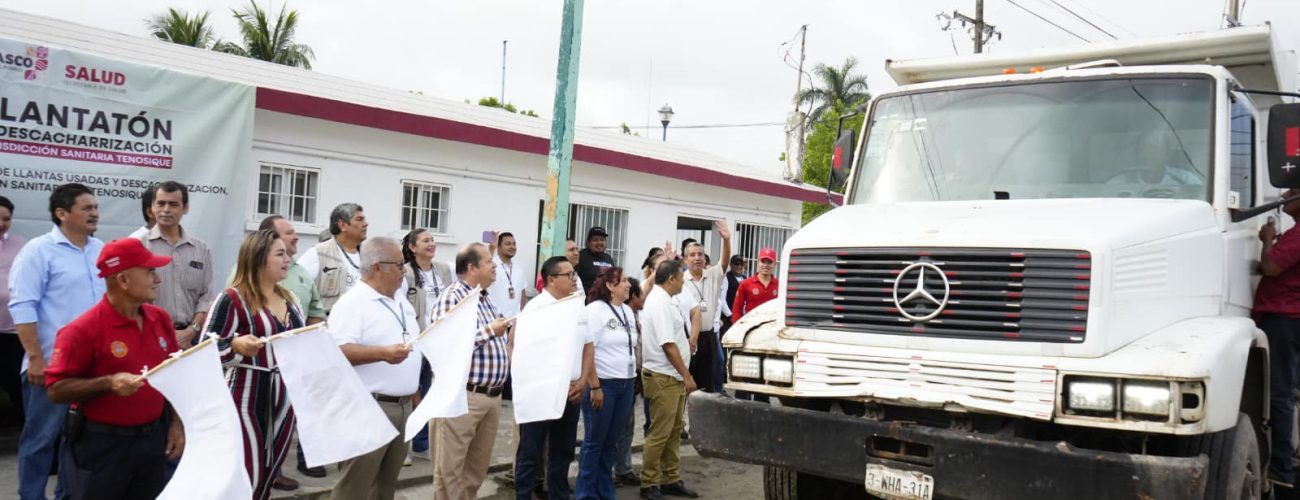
[303, 287]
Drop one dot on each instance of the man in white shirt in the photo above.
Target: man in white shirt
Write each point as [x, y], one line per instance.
[146, 209]
[335, 263]
[704, 288]
[665, 343]
[507, 291]
[372, 325]
[558, 437]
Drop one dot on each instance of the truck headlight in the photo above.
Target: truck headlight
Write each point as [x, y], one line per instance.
[1091, 395]
[745, 366]
[1146, 397]
[778, 370]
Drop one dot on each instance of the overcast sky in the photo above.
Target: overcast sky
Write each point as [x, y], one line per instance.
[714, 62]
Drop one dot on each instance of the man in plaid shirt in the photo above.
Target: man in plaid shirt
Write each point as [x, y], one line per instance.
[463, 446]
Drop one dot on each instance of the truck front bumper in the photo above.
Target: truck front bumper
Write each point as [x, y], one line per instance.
[964, 465]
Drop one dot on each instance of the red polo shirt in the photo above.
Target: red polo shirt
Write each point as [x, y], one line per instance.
[1281, 294]
[750, 294]
[102, 342]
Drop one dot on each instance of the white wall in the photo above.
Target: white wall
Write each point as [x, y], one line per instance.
[490, 188]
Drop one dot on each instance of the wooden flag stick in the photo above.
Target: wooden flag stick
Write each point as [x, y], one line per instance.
[173, 357]
[293, 332]
[453, 309]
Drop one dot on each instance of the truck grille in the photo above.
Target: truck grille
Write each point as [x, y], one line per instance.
[991, 294]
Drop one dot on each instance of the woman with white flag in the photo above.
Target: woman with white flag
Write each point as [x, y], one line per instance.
[611, 325]
[243, 316]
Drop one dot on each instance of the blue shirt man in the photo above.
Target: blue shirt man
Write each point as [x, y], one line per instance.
[53, 280]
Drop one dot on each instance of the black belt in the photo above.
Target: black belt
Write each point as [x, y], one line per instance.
[181, 326]
[391, 399]
[117, 430]
[491, 392]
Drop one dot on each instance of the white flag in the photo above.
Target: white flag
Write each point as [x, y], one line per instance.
[213, 463]
[449, 347]
[542, 364]
[338, 418]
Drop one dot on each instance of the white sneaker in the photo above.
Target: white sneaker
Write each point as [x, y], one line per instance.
[406, 462]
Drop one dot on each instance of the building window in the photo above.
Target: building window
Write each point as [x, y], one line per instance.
[584, 217]
[754, 237]
[287, 191]
[424, 205]
[1241, 162]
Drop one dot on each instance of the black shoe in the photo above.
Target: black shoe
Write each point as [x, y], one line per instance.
[312, 471]
[678, 489]
[652, 493]
[686, 436]
[627, 479]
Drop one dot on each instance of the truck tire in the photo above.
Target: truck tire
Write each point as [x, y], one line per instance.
[780, 483]
[1235, 471]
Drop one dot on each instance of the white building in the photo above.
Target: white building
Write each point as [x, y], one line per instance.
[458, 169]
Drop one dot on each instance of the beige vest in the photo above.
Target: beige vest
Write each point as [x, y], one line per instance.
[332, 275]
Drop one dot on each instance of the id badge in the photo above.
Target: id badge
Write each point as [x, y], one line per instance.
[512, 292]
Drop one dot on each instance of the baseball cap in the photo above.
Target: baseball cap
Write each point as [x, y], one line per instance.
[126, 253]
[596, 231]
[767, 253]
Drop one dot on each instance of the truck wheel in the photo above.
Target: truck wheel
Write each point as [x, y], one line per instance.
[780, 483]
[1234, 470]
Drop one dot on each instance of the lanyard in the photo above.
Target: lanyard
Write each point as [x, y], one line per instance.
[346, 256]
[401, 318]
[622, 320]
[433, 280]
[509, 274]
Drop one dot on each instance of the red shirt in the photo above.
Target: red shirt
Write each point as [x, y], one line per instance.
[1281, 294]
[102, 342]
[750, 294]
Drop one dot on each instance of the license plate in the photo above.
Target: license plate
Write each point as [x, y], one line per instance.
[896, 484]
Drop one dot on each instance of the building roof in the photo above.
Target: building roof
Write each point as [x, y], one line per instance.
[316, 95]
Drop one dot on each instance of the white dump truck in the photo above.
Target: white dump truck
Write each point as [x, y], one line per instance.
[1039, 284]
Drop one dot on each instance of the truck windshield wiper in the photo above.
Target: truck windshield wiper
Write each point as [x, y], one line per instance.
[1174, 130]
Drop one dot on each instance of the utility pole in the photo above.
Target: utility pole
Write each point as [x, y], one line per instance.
[983, 31]
[503, 72]
[1234, 13]
[559, 162]
[795, 124]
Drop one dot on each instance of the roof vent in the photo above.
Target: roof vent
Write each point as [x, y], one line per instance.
[1100, 63]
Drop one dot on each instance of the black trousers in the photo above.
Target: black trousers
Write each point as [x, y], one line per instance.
[704, 364]
[11, 361]
[111, 466]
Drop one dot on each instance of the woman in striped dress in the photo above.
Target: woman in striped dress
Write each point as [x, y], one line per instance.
[252, 309]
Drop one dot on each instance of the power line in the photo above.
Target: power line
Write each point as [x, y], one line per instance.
[711, 125]
[1048, 21]
[1085, 8]
[1084, 19]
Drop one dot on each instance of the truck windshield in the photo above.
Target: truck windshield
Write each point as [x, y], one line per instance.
[1101, 138]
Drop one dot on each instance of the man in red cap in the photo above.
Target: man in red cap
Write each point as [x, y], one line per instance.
[756, 289]
[117, 438]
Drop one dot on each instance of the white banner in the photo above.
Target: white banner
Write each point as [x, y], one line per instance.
[118, 127]
[541, 366]
[449, 347]
[212, 465]
[337, 418]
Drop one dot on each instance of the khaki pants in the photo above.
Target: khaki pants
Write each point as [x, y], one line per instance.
[661, 457]
[464, 448]
[373, 476]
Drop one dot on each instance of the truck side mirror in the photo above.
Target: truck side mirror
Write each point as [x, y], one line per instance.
[841, 161]
[1284, 145]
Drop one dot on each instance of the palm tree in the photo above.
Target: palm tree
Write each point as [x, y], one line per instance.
[269, 41]
[840, 89]
[178, 27]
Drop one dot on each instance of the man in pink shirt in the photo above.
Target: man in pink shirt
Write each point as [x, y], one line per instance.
[11, 351]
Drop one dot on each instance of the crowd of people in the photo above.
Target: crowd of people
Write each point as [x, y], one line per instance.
[83, 317]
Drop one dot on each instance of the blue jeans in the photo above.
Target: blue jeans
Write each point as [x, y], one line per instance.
[1284, 350]
[38, 446]
[720, 368]
[562, 434]
[623, 452]
[603, 429]
[420, 443]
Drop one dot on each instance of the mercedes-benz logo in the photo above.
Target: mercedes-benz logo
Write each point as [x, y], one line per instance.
[921, 293]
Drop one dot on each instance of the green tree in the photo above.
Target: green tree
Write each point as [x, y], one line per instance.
[267, 39]
[179, 27]
[493, 102]
[836, 88]
[820, 148]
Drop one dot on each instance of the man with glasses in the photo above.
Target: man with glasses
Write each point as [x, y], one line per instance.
[372, 324]
[463, 448]
[559, 436]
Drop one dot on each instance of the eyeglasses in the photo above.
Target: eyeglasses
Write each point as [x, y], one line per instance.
[570, 274]
[397, 263]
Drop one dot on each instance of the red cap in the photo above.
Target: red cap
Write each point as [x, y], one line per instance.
[767, 253]
[126, 253]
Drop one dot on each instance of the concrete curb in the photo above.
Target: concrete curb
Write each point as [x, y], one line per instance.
[407, 482]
